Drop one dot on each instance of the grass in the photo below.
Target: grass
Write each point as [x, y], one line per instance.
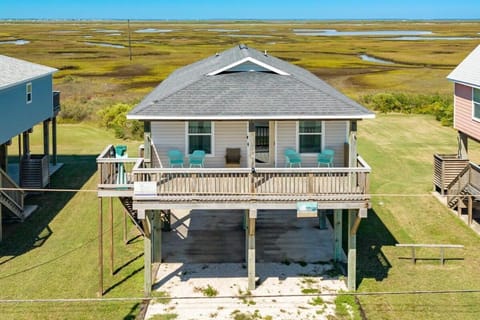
[54, 253]
[400, 149]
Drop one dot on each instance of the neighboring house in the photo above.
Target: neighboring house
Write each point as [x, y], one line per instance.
[258, 106]
[455, 175]
[26, 99]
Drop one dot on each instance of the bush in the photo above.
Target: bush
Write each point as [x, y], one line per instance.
[115, 118]
[440, 106]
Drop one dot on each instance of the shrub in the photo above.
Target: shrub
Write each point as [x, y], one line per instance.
[115, 118]
[440, 106]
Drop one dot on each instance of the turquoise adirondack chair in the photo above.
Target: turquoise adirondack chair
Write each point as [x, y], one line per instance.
[175, 158]
[326, 158]
[292, 158]
[197, 159]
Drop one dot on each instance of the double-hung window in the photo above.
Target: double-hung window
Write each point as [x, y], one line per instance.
[200, 135]
[310, 136]
[476, 104]
[29, 92]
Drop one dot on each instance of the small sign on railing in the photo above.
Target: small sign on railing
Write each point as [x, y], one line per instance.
[307, 209]
[144, 188]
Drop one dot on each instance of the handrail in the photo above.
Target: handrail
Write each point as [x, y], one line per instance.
[155, 152]
[11, 190]
[259, 181]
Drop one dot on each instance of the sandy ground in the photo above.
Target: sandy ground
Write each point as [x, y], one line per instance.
[278, 294]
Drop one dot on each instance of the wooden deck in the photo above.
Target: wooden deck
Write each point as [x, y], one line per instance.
[187, 186]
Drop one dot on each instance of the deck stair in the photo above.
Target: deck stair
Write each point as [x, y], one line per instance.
[467, 183]
[127, 203]
[11, 197]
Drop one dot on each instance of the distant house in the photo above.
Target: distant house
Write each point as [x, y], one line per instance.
[243, 130]
[455, 175]
[26, 99]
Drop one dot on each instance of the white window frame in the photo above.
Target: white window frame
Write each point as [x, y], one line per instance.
[322, 137]
[211, 134]
[475, 104]
[28, 92]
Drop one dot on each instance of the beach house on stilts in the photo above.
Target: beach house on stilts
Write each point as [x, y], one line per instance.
[455, 176]
[242, 129]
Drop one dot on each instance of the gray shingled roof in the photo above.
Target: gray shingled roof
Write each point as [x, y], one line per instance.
[468, 71]
[190, 93]
[14, 71]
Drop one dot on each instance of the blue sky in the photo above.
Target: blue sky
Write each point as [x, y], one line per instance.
[239, 9]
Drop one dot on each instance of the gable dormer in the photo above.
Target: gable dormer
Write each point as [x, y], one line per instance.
[248, 64]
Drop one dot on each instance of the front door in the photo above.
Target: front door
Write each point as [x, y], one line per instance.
[264, 143]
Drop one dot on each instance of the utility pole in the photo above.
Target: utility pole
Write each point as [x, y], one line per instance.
[129, 41]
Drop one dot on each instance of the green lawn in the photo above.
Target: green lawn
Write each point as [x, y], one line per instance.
[54, 253]
[400, 149]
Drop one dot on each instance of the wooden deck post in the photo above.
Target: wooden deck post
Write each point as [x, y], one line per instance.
[352, 249]
[110, 209]
[100, 247]
[54, 141]
[252, 216]
[470, 210]
[46, 147]
[157, 236]
[4, 157]
[462, 145]
[26, 143]
[337, 230]
[322, 219]
[147, 255]
[147, 154]
[251, 144]
[125, 226]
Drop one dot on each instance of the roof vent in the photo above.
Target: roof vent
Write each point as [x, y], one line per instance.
[243, 46]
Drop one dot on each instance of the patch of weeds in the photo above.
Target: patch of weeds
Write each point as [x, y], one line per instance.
[310, 290]
[346, 307]
[162, 297]
[208, 291]
[237, 315]
[283, 311]
[286, 262]
[309, 281]
[317, 301]
[166, 316]
[213, 315]
[220, 308]
[244, 296]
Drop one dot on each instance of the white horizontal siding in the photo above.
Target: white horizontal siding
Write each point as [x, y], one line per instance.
[286, 138]
[335, 138]
[168, 135]
[228, 134]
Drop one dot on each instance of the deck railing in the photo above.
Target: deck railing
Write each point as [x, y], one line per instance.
[115, 172]
[331, 183]
[11, 190]
[272, 182]
[469, 177]
[56, 102]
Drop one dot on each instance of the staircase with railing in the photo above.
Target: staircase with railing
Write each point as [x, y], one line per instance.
[11, 196]
[467, 183]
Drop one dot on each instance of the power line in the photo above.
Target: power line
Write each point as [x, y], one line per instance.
[326, 294]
